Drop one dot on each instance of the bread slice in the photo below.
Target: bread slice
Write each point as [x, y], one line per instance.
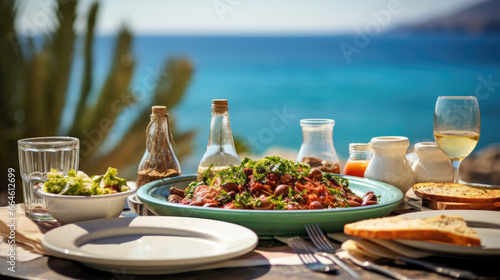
[443, 229]
[441, 205]
[450, 192]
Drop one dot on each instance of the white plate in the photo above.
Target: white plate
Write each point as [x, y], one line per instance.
[485, 223]
[149, 245]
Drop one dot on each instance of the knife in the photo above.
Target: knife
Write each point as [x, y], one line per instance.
[377, 268]
[452, 272]
[377, 249]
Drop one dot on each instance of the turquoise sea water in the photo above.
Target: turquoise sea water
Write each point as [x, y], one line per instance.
[389, 88]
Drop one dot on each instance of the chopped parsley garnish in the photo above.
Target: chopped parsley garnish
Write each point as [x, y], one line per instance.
[245, 200]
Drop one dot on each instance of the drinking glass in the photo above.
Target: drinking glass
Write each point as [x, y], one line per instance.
[457, 125]
[37, 156]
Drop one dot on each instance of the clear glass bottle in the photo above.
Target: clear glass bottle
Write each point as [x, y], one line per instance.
[159, 160]
[220, 148]
[359, 157]
[317, 145]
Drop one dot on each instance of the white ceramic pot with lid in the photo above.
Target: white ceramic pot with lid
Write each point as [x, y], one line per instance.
[389, 163]
[432, 164]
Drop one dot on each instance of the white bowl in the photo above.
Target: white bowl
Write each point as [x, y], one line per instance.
[76, 208]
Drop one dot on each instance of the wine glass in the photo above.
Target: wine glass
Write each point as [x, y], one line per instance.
[457, 125]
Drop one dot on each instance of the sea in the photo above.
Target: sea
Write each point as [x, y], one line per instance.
[387, 86]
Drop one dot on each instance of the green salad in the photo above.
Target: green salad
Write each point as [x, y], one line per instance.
[79, 183]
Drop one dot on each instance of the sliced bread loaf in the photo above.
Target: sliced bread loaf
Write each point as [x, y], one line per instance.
[444, 229]
[441, 205]
[450, 192]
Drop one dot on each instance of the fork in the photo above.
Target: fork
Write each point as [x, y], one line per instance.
[321, 241]
[326, 249]
[307, 257]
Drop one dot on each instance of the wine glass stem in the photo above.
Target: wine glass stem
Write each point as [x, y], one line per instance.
[456, 165]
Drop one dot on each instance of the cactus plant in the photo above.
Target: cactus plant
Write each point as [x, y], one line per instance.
[34, 86]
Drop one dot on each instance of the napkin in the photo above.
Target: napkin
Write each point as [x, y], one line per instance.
[27, 235]
[376, 248]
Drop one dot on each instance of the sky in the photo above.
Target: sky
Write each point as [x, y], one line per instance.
[226, 17]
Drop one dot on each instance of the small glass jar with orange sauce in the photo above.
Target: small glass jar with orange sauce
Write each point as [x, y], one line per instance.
[359, 157]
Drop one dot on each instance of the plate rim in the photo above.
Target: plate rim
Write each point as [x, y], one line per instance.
[103, 261]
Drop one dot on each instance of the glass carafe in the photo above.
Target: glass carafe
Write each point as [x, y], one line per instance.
[317, 145]
[159, 160]
[220, 152]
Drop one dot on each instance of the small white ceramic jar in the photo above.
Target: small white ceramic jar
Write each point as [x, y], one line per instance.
[389, 163]
[432, 164]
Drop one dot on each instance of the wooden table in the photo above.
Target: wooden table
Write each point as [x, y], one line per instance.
[56, 268]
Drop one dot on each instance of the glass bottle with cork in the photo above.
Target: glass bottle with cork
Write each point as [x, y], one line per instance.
[359, 157]
[159, 160]
[220, 153]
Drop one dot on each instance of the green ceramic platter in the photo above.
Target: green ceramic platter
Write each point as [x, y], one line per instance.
[270, 223]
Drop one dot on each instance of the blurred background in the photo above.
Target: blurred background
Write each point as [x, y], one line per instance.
[93, 70]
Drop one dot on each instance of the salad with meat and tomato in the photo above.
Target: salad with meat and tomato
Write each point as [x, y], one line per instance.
[272, 183]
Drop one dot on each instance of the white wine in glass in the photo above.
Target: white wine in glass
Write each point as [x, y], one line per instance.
[457, 126]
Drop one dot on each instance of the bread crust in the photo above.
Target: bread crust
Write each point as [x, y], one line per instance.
[451, 192]
[431, 229]
[419, 235]
[441, 205]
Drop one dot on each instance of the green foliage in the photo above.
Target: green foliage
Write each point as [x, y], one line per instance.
[34, 83]
[242, 146]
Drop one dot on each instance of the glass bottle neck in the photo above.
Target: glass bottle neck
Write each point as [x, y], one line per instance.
[159, 127]
[220, 130]
[319, 135]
